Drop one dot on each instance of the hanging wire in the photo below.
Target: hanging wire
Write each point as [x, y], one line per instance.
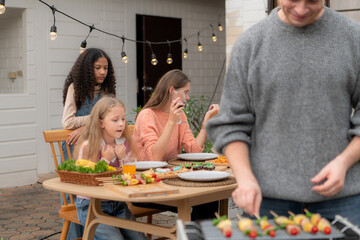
[186, 48]
[53, 31]
[154, 61]
[115, 35]
[124, 58]
[169, 59]
[213, 37]
[84, 43]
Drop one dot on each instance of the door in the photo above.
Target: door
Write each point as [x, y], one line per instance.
[155, 29]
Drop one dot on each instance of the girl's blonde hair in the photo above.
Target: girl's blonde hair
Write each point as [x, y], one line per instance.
[92, 131]
[160, 97]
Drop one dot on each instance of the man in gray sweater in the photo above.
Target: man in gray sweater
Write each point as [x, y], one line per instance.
[285, 122]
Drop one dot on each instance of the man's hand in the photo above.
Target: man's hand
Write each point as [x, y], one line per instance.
[247, 195]
[332, 177]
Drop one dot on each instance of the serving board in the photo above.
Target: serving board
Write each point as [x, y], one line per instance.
[213, 233]
[142, 190]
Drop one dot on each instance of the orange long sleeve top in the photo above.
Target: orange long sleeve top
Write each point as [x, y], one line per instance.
[149, 126]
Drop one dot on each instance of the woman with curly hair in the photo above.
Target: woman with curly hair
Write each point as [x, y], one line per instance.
[91, 77]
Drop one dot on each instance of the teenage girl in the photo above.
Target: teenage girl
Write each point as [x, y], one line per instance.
[91, 77]
[106, 137]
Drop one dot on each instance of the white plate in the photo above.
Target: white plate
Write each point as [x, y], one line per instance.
[197, 156]
[202, 176]
[143, 165]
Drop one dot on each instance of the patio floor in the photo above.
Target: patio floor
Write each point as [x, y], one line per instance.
[31, 212]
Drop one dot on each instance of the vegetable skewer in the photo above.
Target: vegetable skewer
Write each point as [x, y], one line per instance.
[286, 223]
[265, 226]
[245, 225]
[304, 222]
[322, 223]
[224, 224]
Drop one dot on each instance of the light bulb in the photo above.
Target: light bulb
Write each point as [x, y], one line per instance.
[53, 34]
[154, 61]
[185, 53]
[124, 57]
[214, 38]
[169, 59]
[83, 46]
[200, 47]
[220, 27]
[2, 9]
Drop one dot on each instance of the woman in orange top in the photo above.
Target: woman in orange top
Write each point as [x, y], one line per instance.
[157, 135]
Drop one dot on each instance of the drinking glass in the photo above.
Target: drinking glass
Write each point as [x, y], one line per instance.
[179, 94]
[129, 165]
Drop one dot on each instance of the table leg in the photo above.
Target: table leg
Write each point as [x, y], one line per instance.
[184, 210]
[96, 216]
[89, 230]
[224, 204]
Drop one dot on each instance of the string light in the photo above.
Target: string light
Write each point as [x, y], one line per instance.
[186, 49]
[213, 34]
[2, 6]
[154, 61]
[124, 58]
[200, 47]
[53, 33]
[220, 27]
[169, 59]
[83, 43]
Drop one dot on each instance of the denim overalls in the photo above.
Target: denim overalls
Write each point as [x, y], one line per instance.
[83, 111]
[76, 230]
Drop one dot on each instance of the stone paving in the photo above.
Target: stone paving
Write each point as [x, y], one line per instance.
[31, 212]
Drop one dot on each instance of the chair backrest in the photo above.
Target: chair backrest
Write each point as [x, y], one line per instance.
[55, 138]
[131, 129]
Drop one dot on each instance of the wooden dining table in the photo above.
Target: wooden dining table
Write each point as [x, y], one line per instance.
[183, 199]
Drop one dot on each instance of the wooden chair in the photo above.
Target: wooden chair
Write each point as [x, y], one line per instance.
[68, 210]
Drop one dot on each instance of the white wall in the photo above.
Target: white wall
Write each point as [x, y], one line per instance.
[240, 15]
[23, 117]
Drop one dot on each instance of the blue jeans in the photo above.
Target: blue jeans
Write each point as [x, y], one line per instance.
[106, 232]
[348, 207]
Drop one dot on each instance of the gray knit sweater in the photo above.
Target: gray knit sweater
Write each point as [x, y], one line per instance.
[289, 93]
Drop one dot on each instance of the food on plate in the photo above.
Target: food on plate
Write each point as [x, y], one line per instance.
[321, 223]
[304, 222]
[85, 166]
[129, 180]
[208, 166]
[164, 173]
[266, 227]
[246, 226]
[224, 224]
[285, 222]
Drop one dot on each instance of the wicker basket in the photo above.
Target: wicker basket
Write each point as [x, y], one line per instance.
[84, 178]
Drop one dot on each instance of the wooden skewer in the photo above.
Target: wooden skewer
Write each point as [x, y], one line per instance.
[257, 216]
[306, 211]
[291, 213]
[273, 213]
[239, 217]
[217, 215]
